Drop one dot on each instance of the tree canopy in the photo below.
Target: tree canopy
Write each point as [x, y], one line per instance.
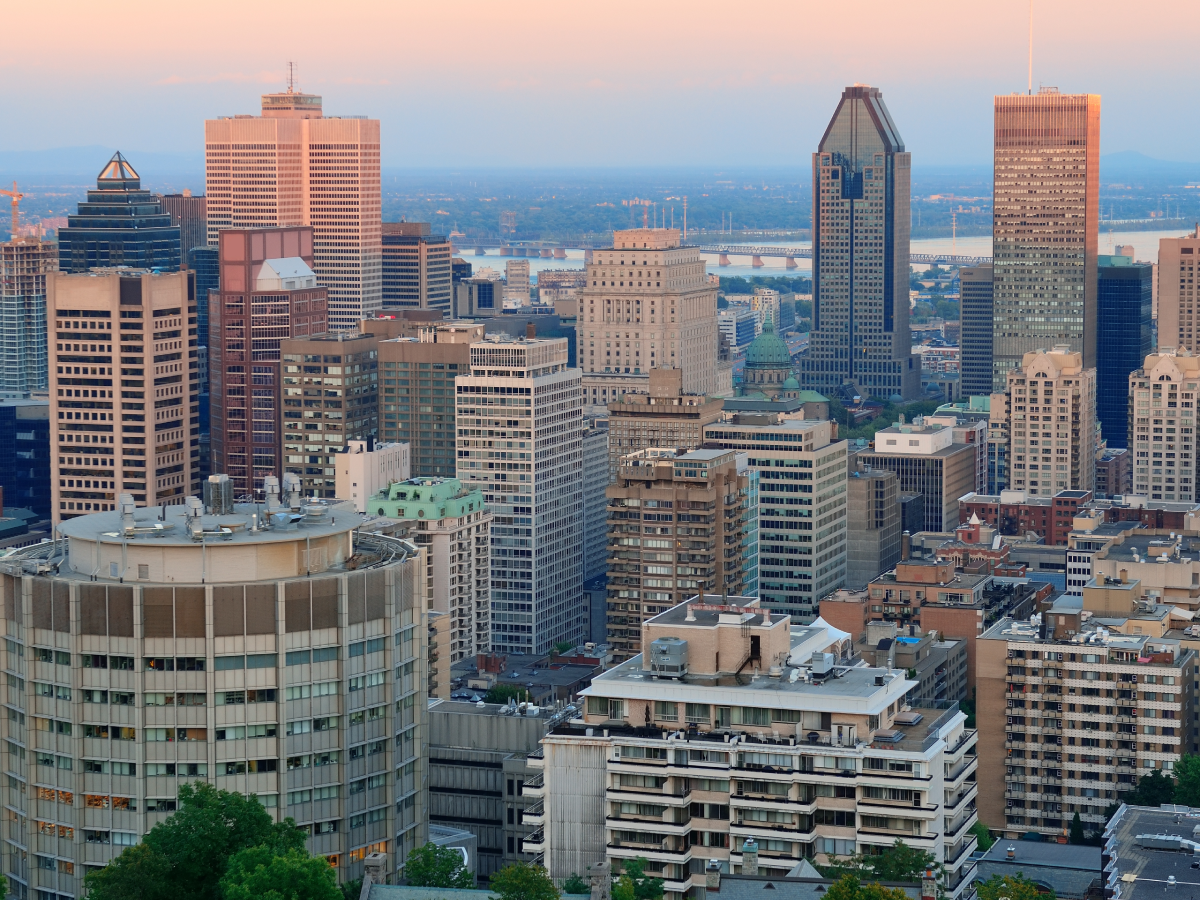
[850, 888]
[1014, 887]
[635, 884]
[900, 862]
[1187, 780]
[438, 867]
[188, 856]
[502, 693]
[523, 881]
[576, 884]
[983, 835]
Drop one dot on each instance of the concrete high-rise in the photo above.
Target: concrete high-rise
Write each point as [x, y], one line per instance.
[120, 224]
[124, 390]
[595, 504]
[664, 416]
[292, 165]
[1044, 221]
[24, 263]
[416, 268]
[1163, 391]
[860, 341]
[190, 213]
[269, 293]
[1179, 292]
[647, 305]
[975, 293]
[520, 442]
[1051, 416]
[802, 506]
[1123, 325]
[180, 643]
[647, 507]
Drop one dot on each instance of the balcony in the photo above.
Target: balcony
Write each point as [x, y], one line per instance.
[535, 815]
[535, 843]
[535, 786]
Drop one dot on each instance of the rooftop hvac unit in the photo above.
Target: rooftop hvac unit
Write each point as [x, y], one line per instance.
[822, 664]
[218, 495]
[668, 657]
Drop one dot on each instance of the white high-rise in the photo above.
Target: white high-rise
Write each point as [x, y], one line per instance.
[295, 166]
[519, 419]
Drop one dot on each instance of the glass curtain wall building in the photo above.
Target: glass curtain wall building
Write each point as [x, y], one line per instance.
[975, 293]
[1124, 292]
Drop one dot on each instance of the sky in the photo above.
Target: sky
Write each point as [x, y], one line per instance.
[533, 83]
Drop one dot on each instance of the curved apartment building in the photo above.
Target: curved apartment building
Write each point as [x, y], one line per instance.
[268, 649]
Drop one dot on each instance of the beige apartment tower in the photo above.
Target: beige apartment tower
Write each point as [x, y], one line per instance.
[124, 391]
[1178, 262]
[647, 305]
[1051, 410]
[664, 417]
[1044, 223]
[1162, 396]
[292, 165]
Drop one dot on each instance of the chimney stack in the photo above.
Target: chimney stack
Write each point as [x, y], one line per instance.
[750, 858]
[530, 331]
[712, 876]
[905, 546]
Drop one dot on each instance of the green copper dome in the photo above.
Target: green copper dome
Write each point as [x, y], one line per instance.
[791, 384]
[768, 350]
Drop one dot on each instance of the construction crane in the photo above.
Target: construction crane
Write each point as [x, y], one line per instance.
[16, 201]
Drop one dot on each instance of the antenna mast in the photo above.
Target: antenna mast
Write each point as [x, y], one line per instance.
[1030, 88]
[292, 71]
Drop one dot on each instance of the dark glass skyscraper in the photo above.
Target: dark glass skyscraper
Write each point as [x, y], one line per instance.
[1123, 307]
[975, 293]
[860, 342]
[119, 225]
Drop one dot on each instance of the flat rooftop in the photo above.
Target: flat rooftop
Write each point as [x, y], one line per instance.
[1149, 547]
[1142, 871]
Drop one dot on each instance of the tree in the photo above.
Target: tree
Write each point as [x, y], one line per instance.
[573, 885]
[259, 873]
[523, 881]
[983, 835]
[1014, 887]
[1077, 835]
[900, 862]
[351, 889]
[1187, 780]
[186, 855]
[438, 867]
[850, 888]
[635, 884]
[502, 693]
[1154, 789]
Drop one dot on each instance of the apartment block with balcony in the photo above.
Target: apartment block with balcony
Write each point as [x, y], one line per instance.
[739, 732]
[1086, 711]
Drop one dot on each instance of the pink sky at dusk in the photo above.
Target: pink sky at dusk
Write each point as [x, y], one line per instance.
[625, 83]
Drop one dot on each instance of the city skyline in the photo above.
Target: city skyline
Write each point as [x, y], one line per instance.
[755, 70]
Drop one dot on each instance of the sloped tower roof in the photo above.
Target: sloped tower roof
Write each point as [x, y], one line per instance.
[118, 174]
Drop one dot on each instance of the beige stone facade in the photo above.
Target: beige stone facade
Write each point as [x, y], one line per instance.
[1178, 300]
[664, 416]
[1162, 396]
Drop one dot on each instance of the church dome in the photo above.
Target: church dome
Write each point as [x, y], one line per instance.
[791, 384]
[768, 350]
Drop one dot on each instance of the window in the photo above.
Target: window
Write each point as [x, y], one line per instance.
[298, 657]
[666, 711]
[324, 654]
[225, 663]
[261, 660]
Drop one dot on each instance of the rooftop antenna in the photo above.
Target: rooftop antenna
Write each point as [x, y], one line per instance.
[1030, 86]
[292, 69]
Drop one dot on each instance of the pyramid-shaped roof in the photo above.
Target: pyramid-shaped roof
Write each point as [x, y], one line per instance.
[118, 170]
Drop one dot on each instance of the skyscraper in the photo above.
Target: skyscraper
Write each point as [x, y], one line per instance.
[119, 224]
[124, 404]
[416, 268]
[294, 166]
[24, 263]
[519, 441]
[1179, 292]
[1123, 304]
[270, 294]
[1045, 213]
[975, 293]
[190, 214]
[860, 341]
[647, 305]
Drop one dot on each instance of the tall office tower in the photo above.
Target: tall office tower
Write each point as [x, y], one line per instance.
[1162, 396]
[802, 506]
[647, 305]
[206, 263]
[119, 225]
[663, 417]
[595, 504]
[1179, 292]
[269, 293]
[459, 269]
[330, 397]
[259, 661]
[872, 525]
[658, 563]
[975, 303]
[190, 213]
[294, 166]
[1124, 340]
[860, 337]
[449, 520]
[24, 263]
[1044, 219]
[519, 441]
[516, 281]
[25, 453]
[1051, 419]
[416, 268]
[416, 392]
[124, 399]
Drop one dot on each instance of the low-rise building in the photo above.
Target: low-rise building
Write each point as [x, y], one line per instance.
[1145, 851]
[1114, 472]
[365, 468]
[1072, 872]
[938, 665]
[679, 759]
[1017, 512]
